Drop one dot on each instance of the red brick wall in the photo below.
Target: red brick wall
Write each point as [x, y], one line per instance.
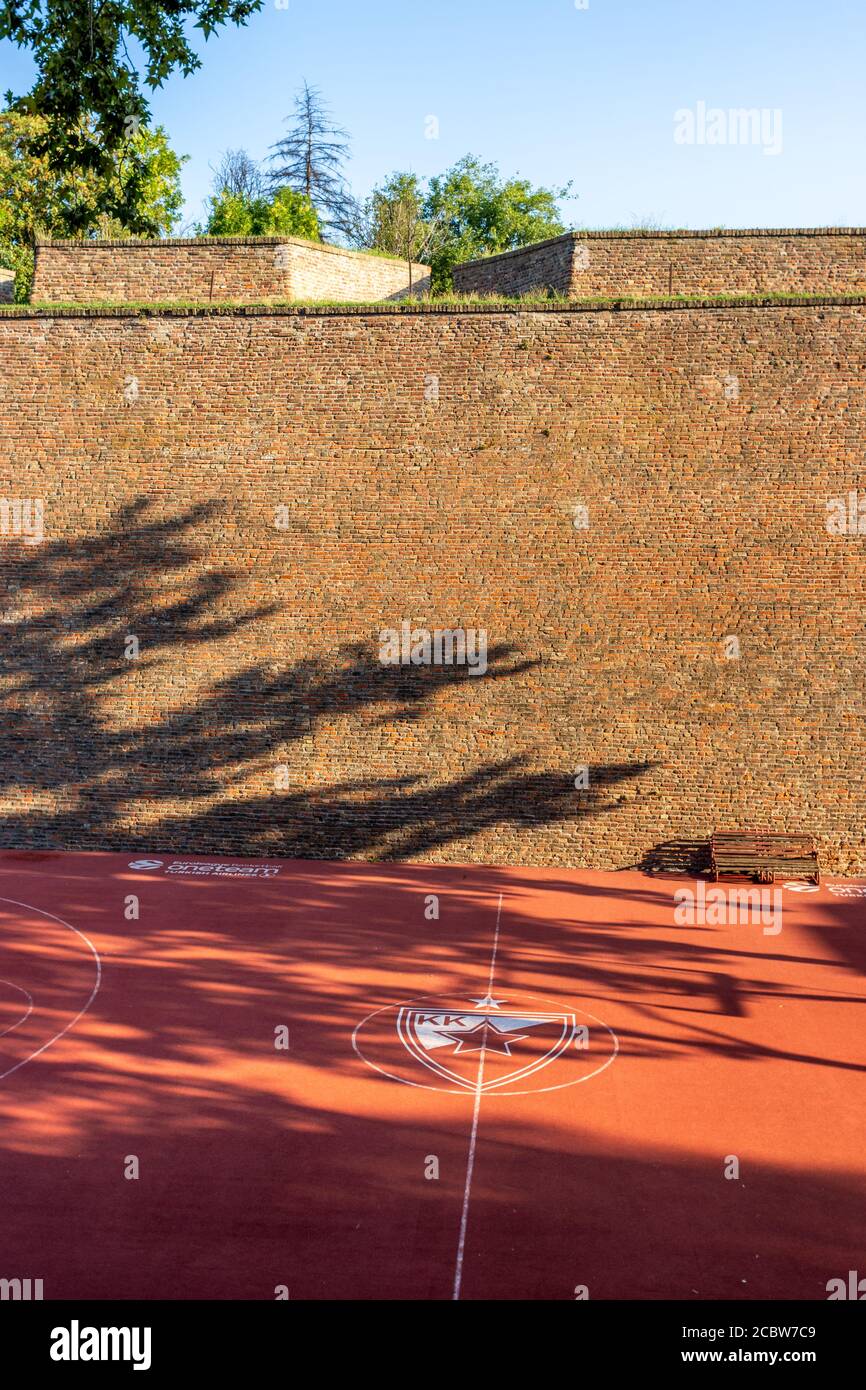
[263, 269]
[431, 467]
[546, 265]
[587, 264]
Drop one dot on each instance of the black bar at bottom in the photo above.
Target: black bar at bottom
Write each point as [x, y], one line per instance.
[82, 1342]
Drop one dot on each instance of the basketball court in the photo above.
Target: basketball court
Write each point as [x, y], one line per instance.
[221, 1079]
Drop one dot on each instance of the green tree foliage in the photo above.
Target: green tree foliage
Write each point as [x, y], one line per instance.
[469, 211]
[36, 199]
[287, 213]
[395, 217]
[88, 91]
[393, 220]
[479, 213]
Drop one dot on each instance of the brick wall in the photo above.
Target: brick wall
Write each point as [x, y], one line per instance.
[546, 265]
[588, 264]
[254, 496]
[317, 273]
[263, 269]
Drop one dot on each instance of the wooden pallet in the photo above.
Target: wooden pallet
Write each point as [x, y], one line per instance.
[762, 854]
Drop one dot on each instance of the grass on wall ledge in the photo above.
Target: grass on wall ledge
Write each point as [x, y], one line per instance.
[449, 303]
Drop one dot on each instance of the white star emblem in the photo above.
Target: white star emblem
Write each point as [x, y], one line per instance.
[488, 1002]
[485, 1036]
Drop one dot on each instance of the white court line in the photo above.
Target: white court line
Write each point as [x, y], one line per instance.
[473, 1138]
[93, 993]
[24, 1017]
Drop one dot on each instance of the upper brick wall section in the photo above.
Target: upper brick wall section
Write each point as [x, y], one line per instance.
[587, 264]
[177, 269]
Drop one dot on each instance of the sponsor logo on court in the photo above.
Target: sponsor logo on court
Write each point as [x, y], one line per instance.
[218, 870]
[221, 870]
[838, 890]
[503, 1045]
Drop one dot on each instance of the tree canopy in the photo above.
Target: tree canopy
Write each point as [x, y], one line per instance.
[287, 213]
[482, 213]
[89, 94]
[467, 212]
[395, 217]
[37, 199]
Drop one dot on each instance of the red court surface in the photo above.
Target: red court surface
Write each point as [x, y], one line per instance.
[566, 1158]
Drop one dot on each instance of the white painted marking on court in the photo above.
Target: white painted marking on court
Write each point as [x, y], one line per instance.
[468, 1090]
[495, 949]
[476, 1114]
[479, 1085]
[24, 1017]
[93, 993]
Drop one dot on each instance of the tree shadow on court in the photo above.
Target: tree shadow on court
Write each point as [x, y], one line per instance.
[335, 1204]
[839, 929]
[181, 1037]
[257, 1164]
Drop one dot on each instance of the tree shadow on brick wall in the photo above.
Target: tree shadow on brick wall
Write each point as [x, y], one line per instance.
[672, 857]
[76, 773]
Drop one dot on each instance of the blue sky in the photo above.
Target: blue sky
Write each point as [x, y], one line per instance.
[556, 93]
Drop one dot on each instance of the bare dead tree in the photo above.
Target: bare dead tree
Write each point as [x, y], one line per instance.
[238, 173]
[311, 159]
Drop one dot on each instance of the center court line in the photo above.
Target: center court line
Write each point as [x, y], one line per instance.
[476, 1112]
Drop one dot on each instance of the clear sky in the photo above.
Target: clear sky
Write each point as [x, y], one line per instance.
[557, 93]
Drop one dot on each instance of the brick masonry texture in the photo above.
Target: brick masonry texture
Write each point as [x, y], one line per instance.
[428, 465]
[584, 264]
[266, 269]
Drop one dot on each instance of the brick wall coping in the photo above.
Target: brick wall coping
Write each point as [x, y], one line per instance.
[638, 234]
[168, 244]
[403, 309]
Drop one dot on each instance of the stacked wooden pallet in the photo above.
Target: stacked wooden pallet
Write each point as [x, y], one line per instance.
[761, 854]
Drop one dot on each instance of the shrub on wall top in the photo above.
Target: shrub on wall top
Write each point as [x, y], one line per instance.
[287, 213]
